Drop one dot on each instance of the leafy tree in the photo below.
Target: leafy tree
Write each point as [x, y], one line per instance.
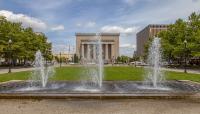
[25, 42]
[173, 39]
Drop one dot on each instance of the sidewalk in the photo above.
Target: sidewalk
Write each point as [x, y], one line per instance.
[114, 106]
[182, 70]
[5, 70]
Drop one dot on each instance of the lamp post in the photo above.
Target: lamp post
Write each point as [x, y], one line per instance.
[10, 62]
[60, 60]
[185, 56]
[46, 54]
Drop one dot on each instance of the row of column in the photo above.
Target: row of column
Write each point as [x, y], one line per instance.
[87, 49]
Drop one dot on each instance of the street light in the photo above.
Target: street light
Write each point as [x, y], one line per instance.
[46, 54]
[185, 55]
[60, 60]
[10, 63]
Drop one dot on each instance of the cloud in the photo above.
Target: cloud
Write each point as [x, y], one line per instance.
[195, 0]
[89, 24]
[44, 4]
[58, 28]
[127, 49]
[118, 29]
[133, 2]
[78, 24]
[158, 11]
[128, 46]
[27, 21]
[130, 2]
[64, 48]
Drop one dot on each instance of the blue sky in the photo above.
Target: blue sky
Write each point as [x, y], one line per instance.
[61, 19]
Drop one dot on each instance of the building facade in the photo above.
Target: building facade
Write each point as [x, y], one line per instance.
[86, 46]
[144, 35]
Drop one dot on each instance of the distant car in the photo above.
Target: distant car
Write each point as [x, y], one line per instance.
[28, 63]
[165, 63]
[91, 63]
[71, 63]
[138, 63]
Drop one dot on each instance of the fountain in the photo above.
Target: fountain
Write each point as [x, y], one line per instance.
[155, 76]
[93, 68]
[40, 72]
[95, 87]
[100, 61]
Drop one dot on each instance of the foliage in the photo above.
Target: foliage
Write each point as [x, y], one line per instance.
[25, 42]
[172, 40]
[75, 59]
[123, 59]
[61, 59]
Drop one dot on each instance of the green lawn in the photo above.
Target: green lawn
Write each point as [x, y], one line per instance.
[111, 73]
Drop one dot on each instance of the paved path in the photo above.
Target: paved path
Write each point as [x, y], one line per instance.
[182, 70]
[134, 106]
[5, 70]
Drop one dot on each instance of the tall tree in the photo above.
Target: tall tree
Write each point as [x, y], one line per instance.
[25, 42]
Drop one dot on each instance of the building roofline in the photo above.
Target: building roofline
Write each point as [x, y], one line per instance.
[93, 34]
[152, 25]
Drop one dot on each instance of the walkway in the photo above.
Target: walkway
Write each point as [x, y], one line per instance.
[182, 70]
[128, 106]
[5, 70]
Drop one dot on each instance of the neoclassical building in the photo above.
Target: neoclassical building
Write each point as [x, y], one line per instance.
[86, 45]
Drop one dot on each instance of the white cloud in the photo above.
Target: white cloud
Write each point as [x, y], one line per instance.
[58, 28]
[158, 11]
[133, 2]
[89, 24]
[39, 5]
[130, 2]
[63, 48]
[27, 21]
[127, 49]
[128, 46]
[118, 29]
[78, 24]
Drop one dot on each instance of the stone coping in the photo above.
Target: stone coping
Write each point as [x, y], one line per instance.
[84, 95]
[100, 96]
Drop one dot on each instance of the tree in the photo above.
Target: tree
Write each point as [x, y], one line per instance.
[25, 42]
[123, 59]
[172, 40]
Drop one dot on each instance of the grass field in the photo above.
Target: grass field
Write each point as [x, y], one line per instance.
[110, 73]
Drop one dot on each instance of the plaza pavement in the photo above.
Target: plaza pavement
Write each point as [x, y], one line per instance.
[123, 106]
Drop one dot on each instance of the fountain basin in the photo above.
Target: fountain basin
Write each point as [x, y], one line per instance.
[109, 89]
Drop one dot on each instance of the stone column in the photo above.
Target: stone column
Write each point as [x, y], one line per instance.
[82, 50]
[94, 51]
[112, 50]
[106, 53]
[88, 51]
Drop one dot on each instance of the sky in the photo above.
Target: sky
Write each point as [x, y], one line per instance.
[61, 19]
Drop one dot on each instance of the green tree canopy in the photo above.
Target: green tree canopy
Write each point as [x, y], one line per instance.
[25, 42]
[173, 39]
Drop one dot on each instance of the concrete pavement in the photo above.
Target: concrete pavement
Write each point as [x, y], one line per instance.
[5, 70]
[128, 106]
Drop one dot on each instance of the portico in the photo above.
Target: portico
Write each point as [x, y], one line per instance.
[87, 46]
